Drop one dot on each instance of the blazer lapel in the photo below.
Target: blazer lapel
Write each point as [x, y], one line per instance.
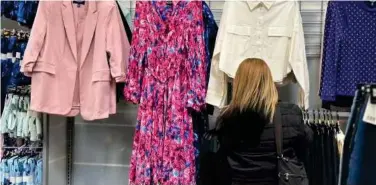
[68, 19]
[90, 24]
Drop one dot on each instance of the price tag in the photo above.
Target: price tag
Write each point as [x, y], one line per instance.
[370, 113]
[18, 55]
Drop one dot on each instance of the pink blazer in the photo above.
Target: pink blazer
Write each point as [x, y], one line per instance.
[74, 66]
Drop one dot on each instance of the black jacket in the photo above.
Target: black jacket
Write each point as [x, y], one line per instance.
[247, 146]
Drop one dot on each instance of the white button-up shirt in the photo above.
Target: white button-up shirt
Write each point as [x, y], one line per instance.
[269, 30]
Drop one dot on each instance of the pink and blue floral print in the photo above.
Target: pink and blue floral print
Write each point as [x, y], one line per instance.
[167, 77]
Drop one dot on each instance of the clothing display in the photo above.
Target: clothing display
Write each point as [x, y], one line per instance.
[269, 30]
[82, 58]
[21, 166]
[21, 11]
[200, 119]
[166, 76]
[77, 51]
[322, 161]
[349, 48]
[13, 44]
[18, 120]
[358, 159]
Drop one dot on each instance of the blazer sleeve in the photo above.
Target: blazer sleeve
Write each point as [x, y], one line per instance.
[117, 45]
[36, 39]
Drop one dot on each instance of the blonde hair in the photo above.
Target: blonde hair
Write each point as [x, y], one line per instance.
[253, 89]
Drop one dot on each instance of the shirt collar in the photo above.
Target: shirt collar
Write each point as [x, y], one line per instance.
[254, 3]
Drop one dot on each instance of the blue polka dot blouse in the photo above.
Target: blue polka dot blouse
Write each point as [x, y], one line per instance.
[349, 55]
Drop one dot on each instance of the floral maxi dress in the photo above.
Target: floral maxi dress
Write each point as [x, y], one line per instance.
[167, 77]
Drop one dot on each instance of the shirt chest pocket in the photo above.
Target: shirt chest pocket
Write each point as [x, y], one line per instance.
[237, 37]
[279, 41]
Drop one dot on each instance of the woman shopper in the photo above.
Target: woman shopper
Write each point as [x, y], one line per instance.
[246, 130]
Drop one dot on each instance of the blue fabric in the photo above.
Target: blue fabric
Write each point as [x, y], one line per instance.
[38, 173]
[200, 120]
[22, 11]
[22, 48]
[349, 137]
[12, 170]
[18, 167]
[4, 45]
[12, 43]
[7, 8]
[6, 170]
[18, 78]
[21, 171]
[210, 35]
[6, 71]
[362, 164]
[349, 48]
[31, 163]
[13, 12]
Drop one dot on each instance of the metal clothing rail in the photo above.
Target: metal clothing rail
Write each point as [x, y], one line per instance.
[21, 147]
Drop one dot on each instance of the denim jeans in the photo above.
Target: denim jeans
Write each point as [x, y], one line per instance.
[362, 163]
[349, 137]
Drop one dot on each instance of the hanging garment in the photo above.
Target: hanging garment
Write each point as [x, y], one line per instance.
[125, 17]
[66, 57]
[21, 11]
[200, 120]
[269, 30]
[124, 9]
[349, 48]
[362, 160]
[6, 73]
[348, 144]
[166, 76]
[126, 22]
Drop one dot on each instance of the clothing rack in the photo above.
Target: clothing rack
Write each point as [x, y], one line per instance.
[21, 147]
[328, 114]
[13, 32]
